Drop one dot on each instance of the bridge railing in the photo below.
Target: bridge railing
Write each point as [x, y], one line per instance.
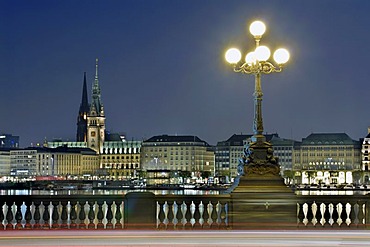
[61, 212]
[168, 212]
[193, 212]
[333, 211]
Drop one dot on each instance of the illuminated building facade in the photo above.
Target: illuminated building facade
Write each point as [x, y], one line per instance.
[178, 154]
[326, 158]
[4, 162]
[365, 155]
[120, 159]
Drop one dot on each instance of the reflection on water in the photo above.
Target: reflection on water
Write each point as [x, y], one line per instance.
[331, 192]
[107, 192]
[168, 192]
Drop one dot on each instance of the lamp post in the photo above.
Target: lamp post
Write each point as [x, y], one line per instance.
[258, 153]
[256, 63]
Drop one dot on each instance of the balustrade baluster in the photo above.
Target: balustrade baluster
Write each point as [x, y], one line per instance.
[305, 212]
[109, 216]
[158, 211]
[91, 216]
[118, 217]
[218, 213]
[314, 211]
[64, 215]
[82, 216]
[339, 211]
[183, 209]
[160, 215]
[2, 217]
[73, 215]
[23, 209]
[18, 216]
[100, 216]
[188, 225]
[201, 212]
[209, 212]
[9, 217]
[28, 216]
[322, 211]
[37, 215]
[348, 212]
[170, 217]
[196, 216]
[192, 211]
[122, 208]
[46, 216]
[331, 210]
[298, 214]
[54, 215]
[104, 208]
[223, 216]
[165, 214]
[226, 220]
[356, 209]
[175, 210]
[214, 224]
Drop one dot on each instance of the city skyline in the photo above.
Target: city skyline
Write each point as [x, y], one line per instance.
[162, 68]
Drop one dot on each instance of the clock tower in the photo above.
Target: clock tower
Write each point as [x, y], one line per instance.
[96, 118]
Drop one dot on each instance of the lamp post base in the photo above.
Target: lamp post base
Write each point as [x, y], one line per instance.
[260, 199]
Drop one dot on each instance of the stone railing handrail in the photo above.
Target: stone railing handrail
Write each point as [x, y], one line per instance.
[146, 210]
[342, 211]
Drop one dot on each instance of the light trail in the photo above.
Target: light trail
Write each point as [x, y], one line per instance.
[184, 238]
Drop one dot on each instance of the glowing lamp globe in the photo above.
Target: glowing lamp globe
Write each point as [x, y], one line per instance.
[250, 58]
[281, 56]
[257, 28]
[233, 56]
[262, 53]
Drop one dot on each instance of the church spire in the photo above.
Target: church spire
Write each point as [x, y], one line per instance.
[96, 69]
[96, 96]
[84, 102]
[82, 114]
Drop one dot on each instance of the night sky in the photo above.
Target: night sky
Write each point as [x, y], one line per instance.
[162, 67]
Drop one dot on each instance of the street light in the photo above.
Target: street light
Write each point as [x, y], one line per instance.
[258, 159]
[256, 63]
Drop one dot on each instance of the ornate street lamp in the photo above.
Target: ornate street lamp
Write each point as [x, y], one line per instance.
[258, 159]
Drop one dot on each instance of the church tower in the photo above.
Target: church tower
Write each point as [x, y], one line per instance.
[82, 115]
[96, 118]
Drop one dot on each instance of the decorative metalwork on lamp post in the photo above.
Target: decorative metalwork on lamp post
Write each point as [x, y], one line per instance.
[258, 154]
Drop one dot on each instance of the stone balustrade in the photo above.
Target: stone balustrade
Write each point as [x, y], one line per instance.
[192, 212]
[61, 212]
[168, 212]
[333, 211]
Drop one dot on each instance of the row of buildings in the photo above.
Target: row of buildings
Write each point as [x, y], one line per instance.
[320, 158]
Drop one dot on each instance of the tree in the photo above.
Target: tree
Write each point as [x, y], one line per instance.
[184, 175]
[289, 175]
[357, 175]
[310, 175]
[206, 174]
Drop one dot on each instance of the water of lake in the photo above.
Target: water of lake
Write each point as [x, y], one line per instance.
[107, 192]
[166, 192]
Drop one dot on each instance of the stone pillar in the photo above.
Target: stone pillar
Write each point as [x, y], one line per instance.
[139, 210]
[263, 203]
[260, 199]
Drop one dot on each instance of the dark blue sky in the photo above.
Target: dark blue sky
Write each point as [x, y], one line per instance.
[162, 68]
